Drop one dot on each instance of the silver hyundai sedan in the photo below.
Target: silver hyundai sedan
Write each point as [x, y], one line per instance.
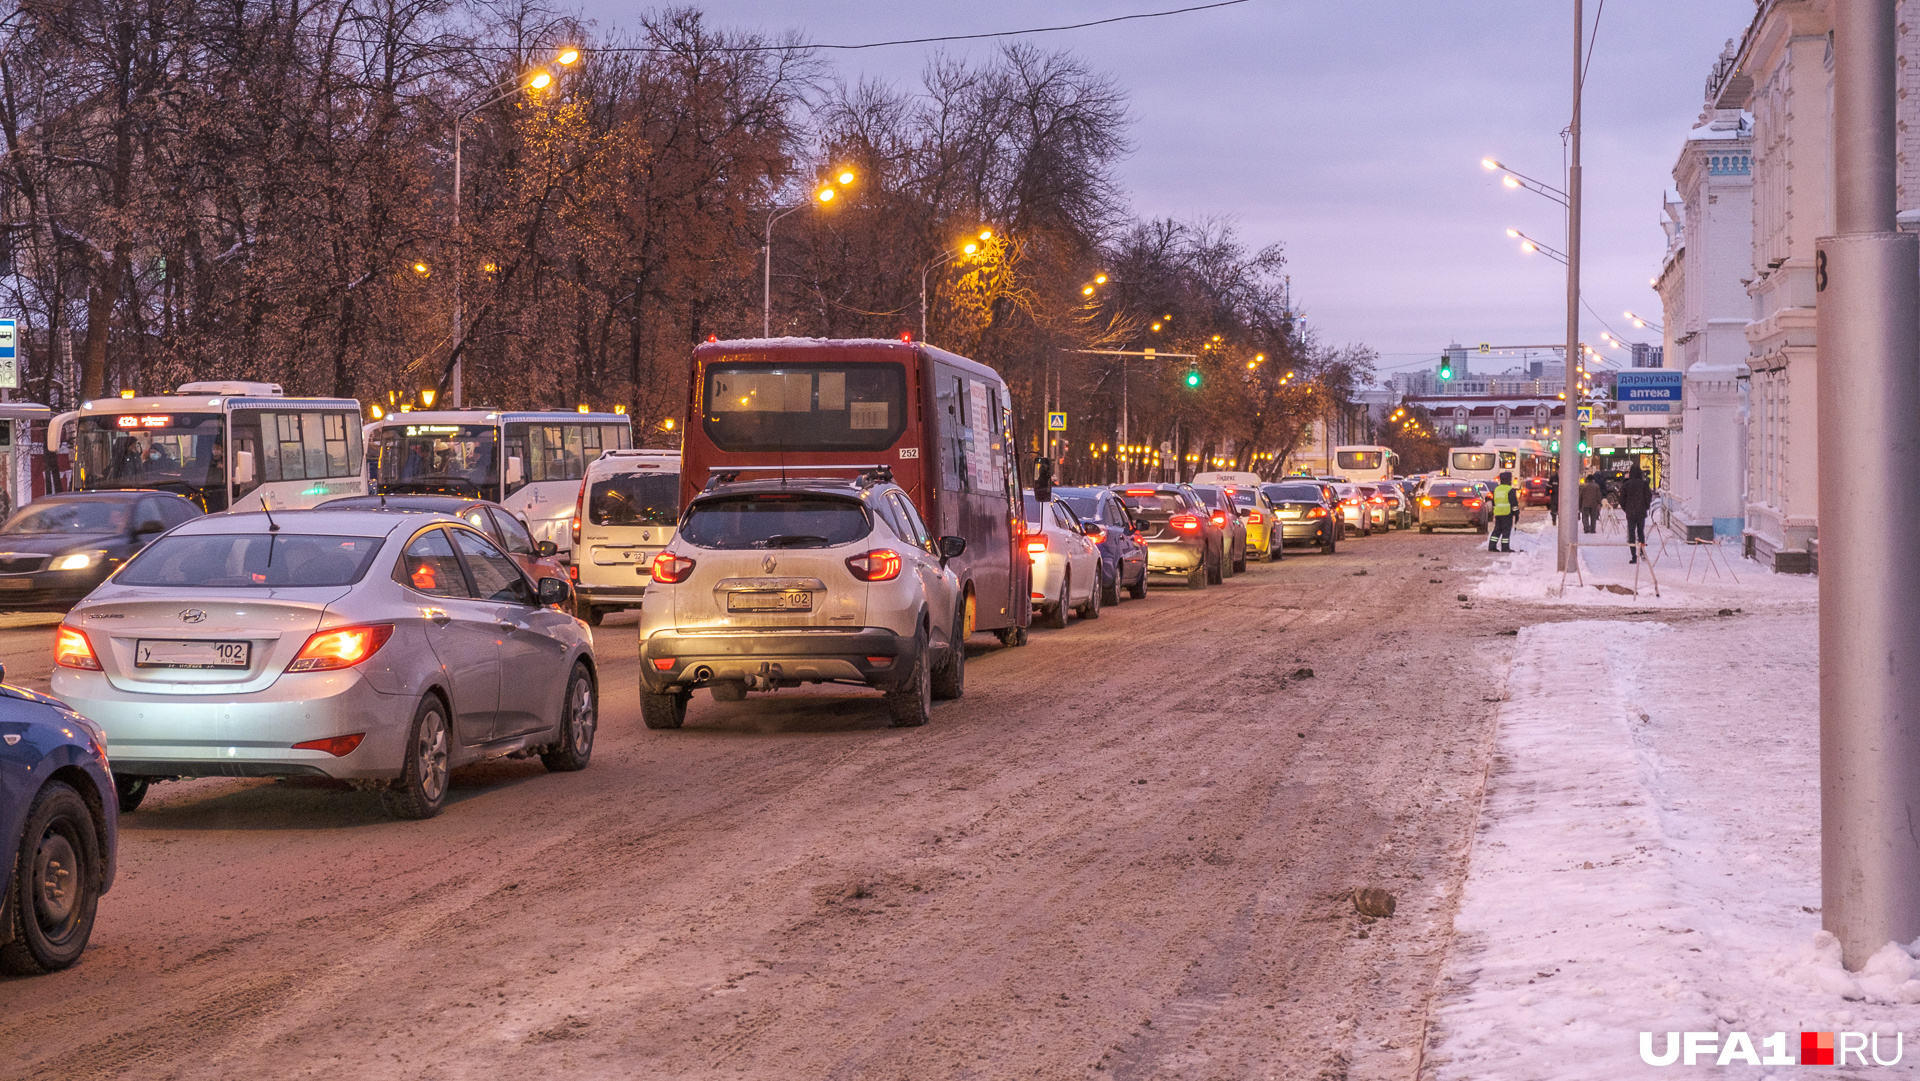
[378, 648]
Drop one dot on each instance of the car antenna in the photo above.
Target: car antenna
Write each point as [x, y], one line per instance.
[272, 526]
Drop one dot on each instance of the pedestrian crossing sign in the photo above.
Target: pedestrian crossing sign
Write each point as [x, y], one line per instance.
[1586, 416]
[1056, 422]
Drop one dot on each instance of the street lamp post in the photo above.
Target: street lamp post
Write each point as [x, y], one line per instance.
[968, 248]
[1570, 421]
[822, 194]
[540, 80]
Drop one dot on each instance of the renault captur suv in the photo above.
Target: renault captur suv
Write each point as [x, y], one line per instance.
[776, 583]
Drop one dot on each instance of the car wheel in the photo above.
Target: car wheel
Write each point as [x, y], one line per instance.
[1054, 616]
[950, 681]
[421, 789]
[56, 883]
[1110, 591]
[667, 710]
[1138, 590]
[1426, 529]
[911, 700]
[1199, 577]
[1240, 565]
[579, 720]
[1329, 548]
[132, 790]
[1216, 572]
[1011, 636]
[727, 690]
[1091, 609]
[1482, 527]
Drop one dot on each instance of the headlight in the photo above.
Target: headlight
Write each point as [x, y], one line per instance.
[79, 561]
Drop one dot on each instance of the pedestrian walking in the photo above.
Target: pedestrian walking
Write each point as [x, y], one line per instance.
[1506, 504]
[1553, 497]
[1590, 495]
[1636, 498]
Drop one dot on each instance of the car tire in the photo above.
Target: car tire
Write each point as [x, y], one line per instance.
[1091, 609]
[421, 789]
[1216, 572]
[950, 680]
[911, 700]
[1329, 548]
[1240, 565]
[667, 710]
[1011, 637]
[1199, 577]
[1426, 529]
[1110, 591]
[56, 883]
[1054, 615]
[1482, 527]
[579, 722]
[727, 690]
[132, 791]
[1138, 590]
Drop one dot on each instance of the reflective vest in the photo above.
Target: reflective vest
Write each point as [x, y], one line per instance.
[1502, 499]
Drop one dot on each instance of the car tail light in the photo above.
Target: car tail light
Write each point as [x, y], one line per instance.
[579, 508]
[337, 746]
[1098, 535]
[341, 648]
[1379, 499]
[671, 568]
[879, 565]
[1425, 502]
[1471, 502]
[1219, 518]
[1140, 491]
[1036, 543]
[1185, 523]
[1254, 517]
[663, 664]
[71, 649]
[1317, 512]
[880, 662]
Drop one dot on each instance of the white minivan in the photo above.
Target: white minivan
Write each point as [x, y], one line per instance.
[628, 508]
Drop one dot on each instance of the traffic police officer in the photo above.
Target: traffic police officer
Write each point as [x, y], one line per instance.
[1505, 506]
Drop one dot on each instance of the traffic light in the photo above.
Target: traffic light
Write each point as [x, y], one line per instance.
[1446, 367]
[1554, 446]
[1193, 378]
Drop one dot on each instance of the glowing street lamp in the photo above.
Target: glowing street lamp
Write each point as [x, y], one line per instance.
[967, 247]
[823, 193]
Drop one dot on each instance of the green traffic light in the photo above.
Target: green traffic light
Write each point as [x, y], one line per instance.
[1193, 377]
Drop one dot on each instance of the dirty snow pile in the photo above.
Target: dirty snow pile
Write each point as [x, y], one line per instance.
[1677, 575]
[1648, 855]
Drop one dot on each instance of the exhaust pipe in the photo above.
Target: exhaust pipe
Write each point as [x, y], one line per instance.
[702, 674]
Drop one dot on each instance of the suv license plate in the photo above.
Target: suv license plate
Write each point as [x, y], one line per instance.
[798, 600]
[148, 653]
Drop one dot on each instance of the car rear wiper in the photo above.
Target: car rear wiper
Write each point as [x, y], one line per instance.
[794, 540]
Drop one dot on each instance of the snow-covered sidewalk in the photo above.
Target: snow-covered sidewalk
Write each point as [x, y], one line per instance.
[1648, 858]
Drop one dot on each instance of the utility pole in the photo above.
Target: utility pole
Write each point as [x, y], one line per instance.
[1869, 393]
[1570, 424]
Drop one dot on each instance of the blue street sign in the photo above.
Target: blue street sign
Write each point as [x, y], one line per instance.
[9, 354]
[1656, 385]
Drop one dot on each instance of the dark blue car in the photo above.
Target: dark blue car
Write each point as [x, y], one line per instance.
[58, 823]
[1123, 555]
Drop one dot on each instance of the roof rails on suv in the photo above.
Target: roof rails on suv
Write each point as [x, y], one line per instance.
[868, 475]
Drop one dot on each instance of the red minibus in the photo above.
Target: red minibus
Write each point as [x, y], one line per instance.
[942, 423]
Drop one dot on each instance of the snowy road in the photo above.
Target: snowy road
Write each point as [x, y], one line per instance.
[1127, 852]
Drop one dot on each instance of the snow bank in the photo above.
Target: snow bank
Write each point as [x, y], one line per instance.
[1649, 854]
[1689, 576]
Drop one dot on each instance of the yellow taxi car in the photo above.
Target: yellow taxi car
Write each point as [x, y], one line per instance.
[1262, 521]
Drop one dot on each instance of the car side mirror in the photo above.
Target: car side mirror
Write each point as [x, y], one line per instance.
[555, 593]
[1089, 527]
[544, 549]
[951, 548]
[148, 528]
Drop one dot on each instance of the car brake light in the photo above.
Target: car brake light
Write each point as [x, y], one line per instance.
[71, 649]
[671, 568]
[1317, 512]
[1425, 502]
[337, 746]
[1098, 535]
[1471, 502]
[879, 565]
[1036, 543]
[1185, 523]
[1140, 491]
[1254, 517]
[1219, 518]
[579, 506]
[341, 648]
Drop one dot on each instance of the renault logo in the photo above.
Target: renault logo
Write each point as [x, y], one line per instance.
[767, 564]
[192, 615]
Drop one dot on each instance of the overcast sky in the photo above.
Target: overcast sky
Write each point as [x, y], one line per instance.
[1352, 133]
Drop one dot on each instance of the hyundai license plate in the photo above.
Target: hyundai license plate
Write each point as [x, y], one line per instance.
[151, 653]
[791, 600]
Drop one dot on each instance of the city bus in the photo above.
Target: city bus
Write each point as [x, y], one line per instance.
[1529, 460]
[1361, 464]
[531, 463]
[942, 423]
[221, 444]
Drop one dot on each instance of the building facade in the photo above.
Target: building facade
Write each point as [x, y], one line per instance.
[1706, 312]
